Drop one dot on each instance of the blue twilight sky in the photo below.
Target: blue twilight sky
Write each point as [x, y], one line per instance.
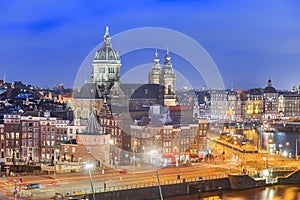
[45, 42]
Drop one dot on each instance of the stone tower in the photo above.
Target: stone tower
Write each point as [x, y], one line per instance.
[155, 73]
[167, 79]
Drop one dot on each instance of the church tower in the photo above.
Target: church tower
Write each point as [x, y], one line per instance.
[155, 73]
[106, 64]
[167, 79]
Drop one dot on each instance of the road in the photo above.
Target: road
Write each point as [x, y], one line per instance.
[114, 180]
[228, 162]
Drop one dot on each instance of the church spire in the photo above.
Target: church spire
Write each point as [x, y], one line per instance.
[167, 57]
[156, 59]
[154, 74]
[106, 30]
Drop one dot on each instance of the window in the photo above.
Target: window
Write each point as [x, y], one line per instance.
[89, 150]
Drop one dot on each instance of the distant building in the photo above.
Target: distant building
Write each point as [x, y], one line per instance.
[180, 143]
[92, 145]
[218, 104]
[2, 141]
[31, 139]
[270, 102]
[254, 104]
[12, 137]
[289, 104]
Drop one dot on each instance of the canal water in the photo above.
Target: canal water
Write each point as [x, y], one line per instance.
[277, 192]
[281, 142]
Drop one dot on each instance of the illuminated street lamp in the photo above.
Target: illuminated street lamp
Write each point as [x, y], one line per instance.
[55, 162]
[111, 152]
[153, 153]
[89, 166]
[266, 162]
[270, 144]
[287, 143]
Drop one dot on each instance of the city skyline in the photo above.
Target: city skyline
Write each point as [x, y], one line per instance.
[249, 41]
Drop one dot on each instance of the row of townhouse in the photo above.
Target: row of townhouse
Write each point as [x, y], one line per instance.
[267, 103]
[28, 138]
[174, 143]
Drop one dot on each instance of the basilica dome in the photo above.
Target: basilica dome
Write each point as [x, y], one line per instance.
[106, 52]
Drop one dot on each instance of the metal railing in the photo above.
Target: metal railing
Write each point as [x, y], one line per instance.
[144, 185]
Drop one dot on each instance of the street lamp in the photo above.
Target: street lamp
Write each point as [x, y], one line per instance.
[266, 162]
[55, 162]
[152, 153]
[89, 166]
[112, 152]
[270, 141]
[296, 152]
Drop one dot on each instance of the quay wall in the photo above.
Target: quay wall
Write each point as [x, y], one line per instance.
[234, 181]
[242, 182]
[293, 178]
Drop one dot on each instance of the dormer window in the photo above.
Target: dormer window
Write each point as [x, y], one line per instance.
[111, 54]
[102, 54]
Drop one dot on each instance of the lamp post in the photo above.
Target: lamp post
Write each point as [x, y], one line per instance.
[296, 152]
[153, 152]
[270, 141]
[55, 162]
[111, 153]
[15, 189]
[89, 166]
[266, 162]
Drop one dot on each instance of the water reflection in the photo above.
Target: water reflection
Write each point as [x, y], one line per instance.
[280, 142]
[278, 192]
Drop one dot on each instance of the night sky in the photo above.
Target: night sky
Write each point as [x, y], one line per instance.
[44, 42]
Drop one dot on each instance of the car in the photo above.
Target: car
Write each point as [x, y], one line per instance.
[32, 186]
[123, 171]
[53, 183]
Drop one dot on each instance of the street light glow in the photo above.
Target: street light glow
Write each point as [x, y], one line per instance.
[89, 166]
[152, 152]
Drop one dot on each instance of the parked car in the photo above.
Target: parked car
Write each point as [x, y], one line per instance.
[123, 171]
[32, 186]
